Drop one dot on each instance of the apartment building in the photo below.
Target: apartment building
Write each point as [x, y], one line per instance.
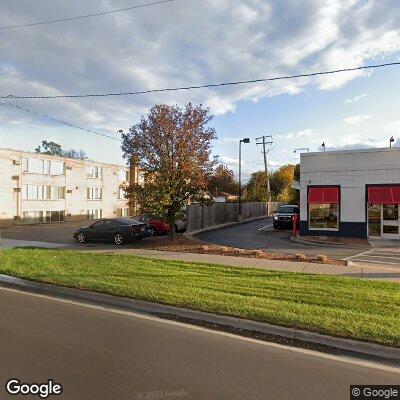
[352, 193]
[39, 188]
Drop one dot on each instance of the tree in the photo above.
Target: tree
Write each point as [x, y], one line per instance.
[172, 147]
[257, 187]
[55, 149]
[221, 180]
[281, 184]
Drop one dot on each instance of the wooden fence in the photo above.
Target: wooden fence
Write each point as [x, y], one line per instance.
[200, 217]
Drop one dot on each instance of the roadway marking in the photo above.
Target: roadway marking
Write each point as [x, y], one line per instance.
[343, 359]
[264, 228]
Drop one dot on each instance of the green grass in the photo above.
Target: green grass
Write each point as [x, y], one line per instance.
[346, 307]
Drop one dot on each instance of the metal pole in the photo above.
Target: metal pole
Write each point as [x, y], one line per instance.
[240, 177]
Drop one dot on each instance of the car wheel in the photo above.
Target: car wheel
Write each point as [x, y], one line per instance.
[153, 231]
[118, 239]
[80, 237]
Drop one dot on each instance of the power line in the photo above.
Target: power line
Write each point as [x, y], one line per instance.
[53, 21]
[3, 103]
[210, 85]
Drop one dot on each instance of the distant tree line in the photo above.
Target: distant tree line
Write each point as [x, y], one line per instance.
[55, 149]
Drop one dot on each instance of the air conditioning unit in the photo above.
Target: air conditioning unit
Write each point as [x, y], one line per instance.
[17, 162]
[15, 177]
[17, 190]
[69, 191]
[68, 167]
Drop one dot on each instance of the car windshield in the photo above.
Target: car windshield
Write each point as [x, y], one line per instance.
[286, 209]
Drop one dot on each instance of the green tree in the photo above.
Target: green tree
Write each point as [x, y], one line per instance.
[172, 147]
[257, 187]
[222, 180]
[55, 149]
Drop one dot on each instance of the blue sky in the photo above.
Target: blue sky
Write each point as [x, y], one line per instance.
[208, 41]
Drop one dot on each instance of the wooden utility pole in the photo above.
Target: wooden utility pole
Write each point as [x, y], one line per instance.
[265, 152]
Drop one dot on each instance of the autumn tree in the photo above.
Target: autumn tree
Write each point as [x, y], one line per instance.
[281, 184]
[222, 180]
[172, 148]
[257, 187]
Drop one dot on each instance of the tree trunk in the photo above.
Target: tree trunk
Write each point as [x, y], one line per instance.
[173, 233]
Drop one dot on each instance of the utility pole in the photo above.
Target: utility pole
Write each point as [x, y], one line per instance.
[265, 152]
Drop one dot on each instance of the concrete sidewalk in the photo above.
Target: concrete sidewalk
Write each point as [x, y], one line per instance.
[381, 273]
[12, 243]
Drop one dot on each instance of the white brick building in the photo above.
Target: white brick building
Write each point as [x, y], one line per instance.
[36, 188]
[353, 193]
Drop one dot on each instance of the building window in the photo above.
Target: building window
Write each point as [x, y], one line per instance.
[323, 208]
[94, 172]
[324, 216]
[123, 175]
[121, 194]
[94, 193]
[42, 192]
[122, 212]
[43, 167]
[37, 217]
[94, 214]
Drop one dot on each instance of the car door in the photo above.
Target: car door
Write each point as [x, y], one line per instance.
[91, 231]
[108, 230]
[98, 230]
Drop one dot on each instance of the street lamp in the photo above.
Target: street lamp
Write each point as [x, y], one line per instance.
[391, 141]
[245, 140]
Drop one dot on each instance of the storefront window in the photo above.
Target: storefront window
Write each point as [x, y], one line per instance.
[324, 216]
[374, 220]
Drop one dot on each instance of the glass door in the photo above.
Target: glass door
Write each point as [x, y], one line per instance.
[390, 221]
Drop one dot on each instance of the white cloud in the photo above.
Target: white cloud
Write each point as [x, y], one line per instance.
[393, 127]
[231, 161]
[356, 99]
[207, 42]
[303, 133]
[356, 119]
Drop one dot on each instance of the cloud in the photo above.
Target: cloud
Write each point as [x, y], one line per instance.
[393, 127]
[185, 43]
[303, 133]
[230, 161]
[356, 119]
[353, 142]
[356, 99]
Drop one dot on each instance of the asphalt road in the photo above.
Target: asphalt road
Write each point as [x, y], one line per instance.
[260, 234]
[102, 354]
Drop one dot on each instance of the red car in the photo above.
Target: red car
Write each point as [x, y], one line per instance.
[159, 227]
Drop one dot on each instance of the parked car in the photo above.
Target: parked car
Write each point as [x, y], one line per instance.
[160, 227]
[117, 230]
[283, 218]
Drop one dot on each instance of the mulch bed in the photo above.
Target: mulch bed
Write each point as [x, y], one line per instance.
[183, 244]
[337, 240]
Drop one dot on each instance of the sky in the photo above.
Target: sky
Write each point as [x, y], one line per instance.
[191, 42]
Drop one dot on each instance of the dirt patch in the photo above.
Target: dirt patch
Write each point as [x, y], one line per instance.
[183, 244]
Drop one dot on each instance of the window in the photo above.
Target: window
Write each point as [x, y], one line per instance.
[121, 194]
[123, 175]
[122, 212]
[94, 214]
[94, 193]
[36, 217]
[56, 168]
[36, 166]
[288, 209]
[94, 172]
[324, 216]
[41, 192]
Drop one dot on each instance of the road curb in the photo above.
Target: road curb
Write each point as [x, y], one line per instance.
[319, 244]
[146, 307]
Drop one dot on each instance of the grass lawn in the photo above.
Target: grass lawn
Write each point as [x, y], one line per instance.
[347, 307]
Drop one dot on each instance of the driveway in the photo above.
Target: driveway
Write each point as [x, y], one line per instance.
[102, 354]
[260, 234]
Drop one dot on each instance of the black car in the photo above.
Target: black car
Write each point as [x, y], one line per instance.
[284, 216]
[117, 230]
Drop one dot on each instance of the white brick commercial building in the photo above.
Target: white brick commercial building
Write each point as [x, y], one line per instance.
[39, 188]
[351, 193]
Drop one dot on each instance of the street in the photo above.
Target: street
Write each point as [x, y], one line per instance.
[104, 354]
[260, 234]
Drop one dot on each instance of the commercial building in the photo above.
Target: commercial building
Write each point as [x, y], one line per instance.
[39, 188]
[351, 193]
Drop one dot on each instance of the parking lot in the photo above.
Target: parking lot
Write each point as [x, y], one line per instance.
[257, 234]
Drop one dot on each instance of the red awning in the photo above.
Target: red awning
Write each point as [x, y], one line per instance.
[384, 195]
[323, 195]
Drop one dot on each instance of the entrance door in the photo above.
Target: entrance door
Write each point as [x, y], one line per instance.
[390, 221]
